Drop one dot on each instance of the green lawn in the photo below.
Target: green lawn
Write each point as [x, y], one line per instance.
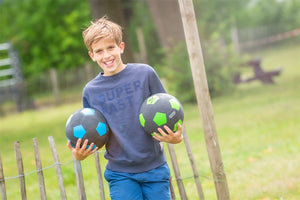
[257, 129]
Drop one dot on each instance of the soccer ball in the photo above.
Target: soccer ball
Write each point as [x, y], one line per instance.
[87, 123]
[158, 110]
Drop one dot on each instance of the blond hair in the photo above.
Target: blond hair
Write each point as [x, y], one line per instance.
[102, 28]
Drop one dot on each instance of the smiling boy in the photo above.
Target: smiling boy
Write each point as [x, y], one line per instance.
[137, 167]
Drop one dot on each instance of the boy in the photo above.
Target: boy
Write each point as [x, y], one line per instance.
[136, 167]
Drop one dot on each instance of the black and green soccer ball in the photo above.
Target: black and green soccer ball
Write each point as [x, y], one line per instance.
[158, 110]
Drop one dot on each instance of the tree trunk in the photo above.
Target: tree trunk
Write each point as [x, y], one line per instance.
[168, 22]
[113, 10]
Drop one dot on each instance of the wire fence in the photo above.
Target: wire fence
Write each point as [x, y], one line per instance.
[72, 162]
[176, 180]
[251, 39]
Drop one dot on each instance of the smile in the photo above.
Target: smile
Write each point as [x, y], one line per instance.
[109, 63]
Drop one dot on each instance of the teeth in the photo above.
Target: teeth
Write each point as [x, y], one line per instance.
[108, 63]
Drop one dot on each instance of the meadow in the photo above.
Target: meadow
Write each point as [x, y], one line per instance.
[257, 129]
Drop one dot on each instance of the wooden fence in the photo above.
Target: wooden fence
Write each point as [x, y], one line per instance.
[11, 78]
[79, 175]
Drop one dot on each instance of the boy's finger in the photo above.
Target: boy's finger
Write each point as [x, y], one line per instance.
[170, 132]
[162, 132]
[78, 143]
[94, 150]
[90, 146]
[180, 127]
[69, 145]
[85, 144]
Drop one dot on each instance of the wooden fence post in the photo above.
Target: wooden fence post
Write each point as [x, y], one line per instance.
[20, 170]
[177, 172]
[203, 97]
[88, 71]
[39, 169]
[172, 191]
[99, 174]
[235, 40]
[192, 161]
[58, 168]
[79, 179]
[55, 85]
[2, 182]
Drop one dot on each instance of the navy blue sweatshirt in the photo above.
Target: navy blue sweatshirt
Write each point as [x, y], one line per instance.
[118, 98]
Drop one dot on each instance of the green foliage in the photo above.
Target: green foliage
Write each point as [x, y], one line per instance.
[218, 16]
[220, 60]
[220, 64]
[142, 18]
[270, 17]
[46, 33]
[282, 14]
[177, 73]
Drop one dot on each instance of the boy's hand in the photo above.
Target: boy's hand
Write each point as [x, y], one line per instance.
[81, 153]
[169, 137]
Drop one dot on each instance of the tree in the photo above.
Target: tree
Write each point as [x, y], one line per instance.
[214, 17]
[46, 33]
[114, 10]
[168, 22]
[45, 39]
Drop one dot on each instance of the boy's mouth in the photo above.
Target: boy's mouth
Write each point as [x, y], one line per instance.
[109, 63]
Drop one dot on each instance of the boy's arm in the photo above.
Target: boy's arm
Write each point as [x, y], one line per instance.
[170, 136]
[80, 153]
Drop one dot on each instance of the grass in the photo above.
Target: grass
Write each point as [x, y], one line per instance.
[257, 129]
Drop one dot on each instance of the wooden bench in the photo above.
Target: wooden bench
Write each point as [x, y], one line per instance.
[266, 77]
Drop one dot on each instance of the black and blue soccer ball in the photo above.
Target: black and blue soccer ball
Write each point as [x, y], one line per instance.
[87, 123]
[158, 110]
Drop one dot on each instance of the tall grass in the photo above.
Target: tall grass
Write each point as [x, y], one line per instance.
[257, 128]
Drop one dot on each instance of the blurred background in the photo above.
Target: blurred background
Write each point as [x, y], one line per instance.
[251, 52]
[53, 59]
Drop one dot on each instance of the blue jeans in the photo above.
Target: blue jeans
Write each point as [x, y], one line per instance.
[150, 185]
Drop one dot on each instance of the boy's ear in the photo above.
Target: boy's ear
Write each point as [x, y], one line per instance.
[92, 56]
[122, 47]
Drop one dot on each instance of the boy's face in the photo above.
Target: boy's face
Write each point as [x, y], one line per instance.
[108, 55]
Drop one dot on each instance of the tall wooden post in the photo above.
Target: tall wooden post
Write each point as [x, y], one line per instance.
[55, 85]
[203, 97]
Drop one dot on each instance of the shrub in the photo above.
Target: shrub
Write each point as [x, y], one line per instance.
[220, 64]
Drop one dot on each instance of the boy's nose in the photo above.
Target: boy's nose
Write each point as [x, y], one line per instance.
[106, 54]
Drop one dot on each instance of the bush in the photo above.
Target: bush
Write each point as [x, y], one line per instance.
[220, 65]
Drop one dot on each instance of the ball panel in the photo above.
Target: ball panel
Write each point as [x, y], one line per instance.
[152, 99]
[101, 128]
[79, 131]
[142, 120]
[174, 104]
[94, 146]
[160, 118]
[176, 125]
[88, 111]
